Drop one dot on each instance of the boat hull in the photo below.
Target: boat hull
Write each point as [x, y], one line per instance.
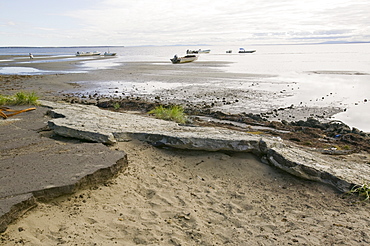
[109, 54]
[88, 53]
[198, 51]
[184, 59]
[247, 51]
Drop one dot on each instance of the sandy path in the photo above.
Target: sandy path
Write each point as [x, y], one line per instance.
[169, 197]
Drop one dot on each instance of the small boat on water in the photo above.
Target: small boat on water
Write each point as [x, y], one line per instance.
[184, 59]
[204, 51]
[109, 54]
[229, 51]
[242, 50]
[198, 51]
[82, 53]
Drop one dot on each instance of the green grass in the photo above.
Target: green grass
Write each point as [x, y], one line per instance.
[362, 190]
[173, 113]
[20, 98]
[116, 106]
[3, 100]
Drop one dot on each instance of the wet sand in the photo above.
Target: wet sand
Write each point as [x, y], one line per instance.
[201, 84]
[173, 197]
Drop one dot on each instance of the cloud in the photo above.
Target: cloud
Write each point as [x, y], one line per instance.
[44, 29]
[166, 22]
[169, 22]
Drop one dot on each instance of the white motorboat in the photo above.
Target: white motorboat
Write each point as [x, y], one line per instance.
[109, 54]
[242, 50]
[204, 51]
[200, 51]
[184, 59]
[82, 53]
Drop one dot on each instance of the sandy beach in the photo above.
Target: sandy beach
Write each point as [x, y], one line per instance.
[173, 197]
[182, 197]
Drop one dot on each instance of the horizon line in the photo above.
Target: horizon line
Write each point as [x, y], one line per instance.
[91, 46]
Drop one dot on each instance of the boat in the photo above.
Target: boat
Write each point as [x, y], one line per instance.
[242, 50]
[192, 52]
[184, 59]
[109, 54]
[198, 51]
[229, 51]
[82, 53]
[204, 51]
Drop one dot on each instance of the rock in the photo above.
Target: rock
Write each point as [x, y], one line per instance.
[107, 127]
[305, 165]
[35, 167]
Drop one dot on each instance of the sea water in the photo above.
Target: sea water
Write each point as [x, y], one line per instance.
[320, 75]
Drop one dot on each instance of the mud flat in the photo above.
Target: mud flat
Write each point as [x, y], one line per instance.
[201, 84]
[180, 196]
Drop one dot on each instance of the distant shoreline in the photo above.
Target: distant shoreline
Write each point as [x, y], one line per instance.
[108, 46]
[43, 47]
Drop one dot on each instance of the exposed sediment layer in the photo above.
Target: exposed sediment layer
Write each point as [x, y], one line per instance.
[93, 124]
[35, 168]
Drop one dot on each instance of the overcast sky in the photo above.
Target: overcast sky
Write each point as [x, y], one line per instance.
[187, 22]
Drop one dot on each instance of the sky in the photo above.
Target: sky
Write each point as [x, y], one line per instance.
[181, 22]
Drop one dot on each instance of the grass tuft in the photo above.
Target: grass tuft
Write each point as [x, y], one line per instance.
[116, 106]
[173, 113]
[20, 98]
[3, 100]
[362, 190]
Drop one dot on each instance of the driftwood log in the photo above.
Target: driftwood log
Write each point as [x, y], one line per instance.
[4, 111]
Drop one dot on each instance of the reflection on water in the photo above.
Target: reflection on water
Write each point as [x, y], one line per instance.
[47, 60]
[98, 64]
[356, 115]
[19, 70]
[31, 71]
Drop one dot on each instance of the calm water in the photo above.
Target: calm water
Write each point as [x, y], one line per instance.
[320, 75]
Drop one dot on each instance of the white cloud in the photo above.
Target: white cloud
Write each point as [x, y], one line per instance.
[171, 22]
[165, 22]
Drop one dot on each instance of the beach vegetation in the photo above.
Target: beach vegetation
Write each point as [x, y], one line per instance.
[3, 100]
[20, 98]
[173, 113]
[116, 106]
[256, 132]
[346, 147]
[340, 147]
[362, 190]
